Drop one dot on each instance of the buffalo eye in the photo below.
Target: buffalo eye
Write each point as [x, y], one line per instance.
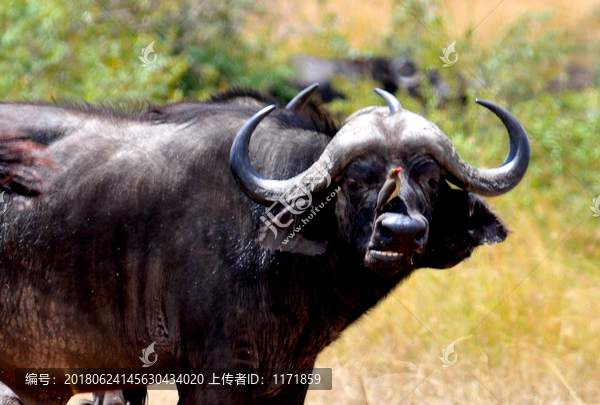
[353, 186]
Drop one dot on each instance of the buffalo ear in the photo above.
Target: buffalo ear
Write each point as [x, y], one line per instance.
[461, 222]
[303, 233]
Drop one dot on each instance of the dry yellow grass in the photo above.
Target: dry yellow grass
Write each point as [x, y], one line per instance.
[363, 23]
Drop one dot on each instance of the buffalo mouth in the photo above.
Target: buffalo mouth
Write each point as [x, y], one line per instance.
[390, 262]
[397, 241]
[401, 257]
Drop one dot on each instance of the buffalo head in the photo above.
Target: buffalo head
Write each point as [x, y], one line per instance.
[420, 221]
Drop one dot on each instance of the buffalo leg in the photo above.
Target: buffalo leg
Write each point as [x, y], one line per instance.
[192, 396]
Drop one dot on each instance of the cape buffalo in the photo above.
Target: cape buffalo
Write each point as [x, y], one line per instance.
[154, 228]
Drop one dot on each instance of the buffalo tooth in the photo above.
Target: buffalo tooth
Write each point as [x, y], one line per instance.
[386, 253]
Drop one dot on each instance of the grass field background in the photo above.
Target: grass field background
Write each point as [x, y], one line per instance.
[525, 314]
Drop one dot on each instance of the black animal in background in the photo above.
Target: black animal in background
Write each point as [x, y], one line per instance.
[393, 74]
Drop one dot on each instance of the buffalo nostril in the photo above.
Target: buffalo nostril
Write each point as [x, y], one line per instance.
[420, 235]
[386, 232]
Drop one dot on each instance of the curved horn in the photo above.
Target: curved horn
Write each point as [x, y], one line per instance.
[390, 99]
[332, 161]
[251, 183]
[351, 143]
[301, 98]
[493, 182]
